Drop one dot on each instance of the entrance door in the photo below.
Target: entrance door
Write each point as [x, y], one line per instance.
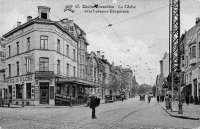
[44, 93]
[10, 93]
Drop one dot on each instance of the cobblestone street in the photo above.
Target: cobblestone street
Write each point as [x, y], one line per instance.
[130, 114]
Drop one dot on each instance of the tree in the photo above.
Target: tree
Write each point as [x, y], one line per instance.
[141, 90]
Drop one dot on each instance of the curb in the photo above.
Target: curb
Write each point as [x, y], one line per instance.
[182, 117]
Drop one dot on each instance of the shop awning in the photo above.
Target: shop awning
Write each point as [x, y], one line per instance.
[74, 80]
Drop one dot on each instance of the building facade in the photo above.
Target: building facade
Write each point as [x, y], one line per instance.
[190, 48]
[42, 62]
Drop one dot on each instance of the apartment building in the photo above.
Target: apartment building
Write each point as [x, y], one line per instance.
[190, 47]
[42, 61]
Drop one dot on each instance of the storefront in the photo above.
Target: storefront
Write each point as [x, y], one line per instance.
[72, 88]
[44, 88]
[20, 89]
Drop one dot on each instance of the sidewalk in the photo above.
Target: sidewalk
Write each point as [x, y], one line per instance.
[47, 106]
[190, 111]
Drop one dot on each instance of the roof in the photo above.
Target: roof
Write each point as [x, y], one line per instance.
[40, 21]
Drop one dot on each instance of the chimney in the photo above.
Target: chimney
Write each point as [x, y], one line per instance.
[112, 63]
[103, 57]
[29, 18]
[18, 23]
[99, 54]
[43, 12]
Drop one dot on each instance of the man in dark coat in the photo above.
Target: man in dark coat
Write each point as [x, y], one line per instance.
[187, 99]
[93, 103]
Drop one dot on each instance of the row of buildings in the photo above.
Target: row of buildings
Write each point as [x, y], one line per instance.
[189, 63]
[47, 62]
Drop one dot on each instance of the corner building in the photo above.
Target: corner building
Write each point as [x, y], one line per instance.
[41, 62]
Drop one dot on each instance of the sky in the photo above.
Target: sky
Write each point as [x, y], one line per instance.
[137, 39]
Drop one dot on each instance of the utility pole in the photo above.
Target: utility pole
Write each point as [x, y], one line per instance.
[175, 51]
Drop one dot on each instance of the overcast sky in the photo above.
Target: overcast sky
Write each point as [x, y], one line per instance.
[137, 39]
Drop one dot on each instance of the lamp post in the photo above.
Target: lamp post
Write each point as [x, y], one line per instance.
[180, 109]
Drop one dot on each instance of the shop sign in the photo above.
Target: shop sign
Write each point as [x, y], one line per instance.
[44, 74]
[68, 79]
[20, 79]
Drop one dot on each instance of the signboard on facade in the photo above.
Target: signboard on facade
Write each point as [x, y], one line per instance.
[20, 79]
[44, 74]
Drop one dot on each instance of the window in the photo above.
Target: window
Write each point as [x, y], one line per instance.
[44, 64]
[28, 44]
[190, 77]
[58, 45]
[199, 72]
[4, 76]
[186, 60]
[18, 91]
[28, 65]
[43, 42]
[17, 47]
[74, 54]
[44, 15]
[67, 51]
[68, 70]
[74, 71]
[9, 70]
[17, 68]
[58, 67]
[199, 49]
[9, 54]
[193, 52]
[28, 90]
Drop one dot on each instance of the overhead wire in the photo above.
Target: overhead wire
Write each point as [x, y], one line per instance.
[109, 24]
[130, 18]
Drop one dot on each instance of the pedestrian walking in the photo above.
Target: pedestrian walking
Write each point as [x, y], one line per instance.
[187, 99]
[94, 102]
[158, 98]
[149, 98]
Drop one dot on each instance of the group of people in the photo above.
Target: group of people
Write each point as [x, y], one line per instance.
[160, 98]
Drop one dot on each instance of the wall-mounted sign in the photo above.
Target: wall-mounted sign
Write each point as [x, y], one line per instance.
[20, 79]
[44, 74]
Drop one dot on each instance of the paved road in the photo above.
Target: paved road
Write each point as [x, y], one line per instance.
[130, 114]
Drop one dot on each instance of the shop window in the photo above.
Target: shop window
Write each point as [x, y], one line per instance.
[28, 90]
[18, 91]
[44, 64]
[58, 89]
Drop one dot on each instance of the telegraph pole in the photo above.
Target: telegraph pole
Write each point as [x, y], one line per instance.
[175, 50]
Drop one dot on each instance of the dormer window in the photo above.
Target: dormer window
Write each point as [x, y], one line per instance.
[43, 15]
